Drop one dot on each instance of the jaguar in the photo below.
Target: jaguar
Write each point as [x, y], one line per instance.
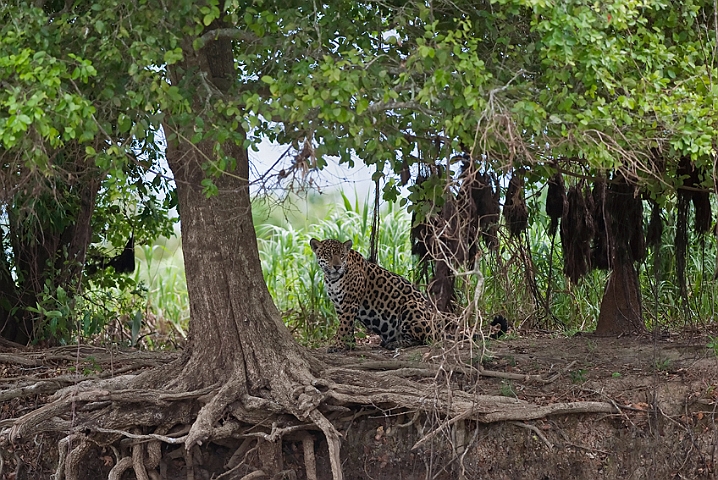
[386, 303]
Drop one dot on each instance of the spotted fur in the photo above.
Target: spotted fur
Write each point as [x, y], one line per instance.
[386, 303]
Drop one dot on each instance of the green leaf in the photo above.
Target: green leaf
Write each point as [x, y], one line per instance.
[124, 123]
[362, 105]
[173, 56]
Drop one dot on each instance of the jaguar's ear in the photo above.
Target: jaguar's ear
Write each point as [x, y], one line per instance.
[348, 245]
[314, 243]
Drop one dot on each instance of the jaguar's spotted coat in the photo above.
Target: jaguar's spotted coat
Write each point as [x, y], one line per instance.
[386, 303]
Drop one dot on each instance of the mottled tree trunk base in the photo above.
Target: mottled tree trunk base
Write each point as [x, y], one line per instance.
[621, 310]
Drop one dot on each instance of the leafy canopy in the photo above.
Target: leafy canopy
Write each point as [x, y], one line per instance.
[516, 81]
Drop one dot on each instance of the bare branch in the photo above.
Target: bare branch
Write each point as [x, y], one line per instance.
[384, 106]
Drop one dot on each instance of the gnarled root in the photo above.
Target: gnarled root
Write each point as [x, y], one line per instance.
[119, 468]
[136, 422]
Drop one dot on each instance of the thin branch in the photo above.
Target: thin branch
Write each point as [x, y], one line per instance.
[538, 432]
[384, 106]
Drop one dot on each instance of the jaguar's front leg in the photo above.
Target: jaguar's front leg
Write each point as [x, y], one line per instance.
[344, 339]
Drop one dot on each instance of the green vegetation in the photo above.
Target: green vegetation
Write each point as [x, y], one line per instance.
[88, 94]
[507, 389]
[663, 364]
[578, 376]
[713, 344]
[152, 305]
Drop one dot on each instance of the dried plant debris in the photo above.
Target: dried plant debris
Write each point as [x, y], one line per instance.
[654, 231]
[516, 212]
[602, 227]
[600, 254]
[625, 209]
[577, 231]
[692, 191]
[442, 287]
[485, 193]
[405, 173]
[556, 201]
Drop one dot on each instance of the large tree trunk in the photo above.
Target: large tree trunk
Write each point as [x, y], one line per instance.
[621, 310]
[235, 327]
[237, 338]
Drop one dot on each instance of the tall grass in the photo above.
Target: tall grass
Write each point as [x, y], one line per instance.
[161, 271]
[663, 303]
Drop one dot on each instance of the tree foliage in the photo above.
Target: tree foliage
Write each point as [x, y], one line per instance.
[588, 90]
[78, 146]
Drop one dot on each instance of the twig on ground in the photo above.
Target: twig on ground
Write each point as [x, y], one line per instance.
[535, 429]
[588, 449]
[448, 423]
[278, 433]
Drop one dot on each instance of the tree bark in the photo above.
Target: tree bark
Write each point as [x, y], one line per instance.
[621, 310]
[622, 212]
[236, 332]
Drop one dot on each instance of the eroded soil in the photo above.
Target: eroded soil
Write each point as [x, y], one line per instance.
[665, 389]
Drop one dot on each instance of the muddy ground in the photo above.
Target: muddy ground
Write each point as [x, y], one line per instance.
[665, 390]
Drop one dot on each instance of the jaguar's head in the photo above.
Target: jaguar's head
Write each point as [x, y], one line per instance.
[331, 256]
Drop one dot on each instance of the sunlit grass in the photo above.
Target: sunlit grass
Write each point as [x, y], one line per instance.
[160, 268]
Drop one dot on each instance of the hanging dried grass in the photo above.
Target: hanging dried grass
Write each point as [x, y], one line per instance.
[556, 201]
[694, 192]
[625, 208]
[702, 206]
[577, 231]
[654, 231]
[486, 200]
[600, 255]
[516, 212]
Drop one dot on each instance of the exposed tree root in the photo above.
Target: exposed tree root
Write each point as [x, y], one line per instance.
[310, 461]
[123, 414]
[333, 440]
[119, 468]
[418, 369]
